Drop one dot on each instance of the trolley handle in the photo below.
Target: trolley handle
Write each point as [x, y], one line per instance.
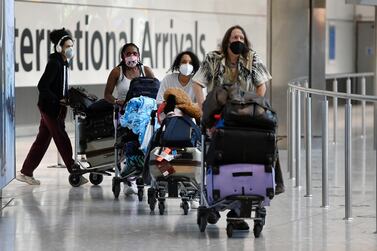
[116, 111]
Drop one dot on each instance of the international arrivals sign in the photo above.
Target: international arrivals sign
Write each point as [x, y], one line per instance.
[99, 32]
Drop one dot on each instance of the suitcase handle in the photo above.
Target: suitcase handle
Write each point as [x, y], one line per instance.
[239, 174]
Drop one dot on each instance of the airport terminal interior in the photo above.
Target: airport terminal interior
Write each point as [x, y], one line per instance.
[321, 55]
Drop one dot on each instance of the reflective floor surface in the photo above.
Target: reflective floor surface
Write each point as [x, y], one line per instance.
[56, 216]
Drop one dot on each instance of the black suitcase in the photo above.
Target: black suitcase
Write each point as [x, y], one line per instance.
[98, 122]
[231, 145]
[95, 127]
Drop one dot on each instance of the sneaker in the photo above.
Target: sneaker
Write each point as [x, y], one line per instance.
[194, 204]
[83, 180]
[279, 188]
[130, 188]
[27, 179]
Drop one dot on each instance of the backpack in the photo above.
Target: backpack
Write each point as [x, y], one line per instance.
[143, 86]
[179, 131]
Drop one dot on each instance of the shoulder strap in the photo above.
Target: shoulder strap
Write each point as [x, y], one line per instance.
[121, 75]
[141, 69]
[193, 125]
[188, 121]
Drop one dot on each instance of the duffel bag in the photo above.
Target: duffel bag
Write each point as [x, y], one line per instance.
[247, 109]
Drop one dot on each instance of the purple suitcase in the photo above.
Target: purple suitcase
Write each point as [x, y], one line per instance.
[240, 179]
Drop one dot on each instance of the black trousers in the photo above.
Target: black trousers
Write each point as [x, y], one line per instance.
[278, 173]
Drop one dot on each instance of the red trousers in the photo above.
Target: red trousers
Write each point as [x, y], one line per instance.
[49, 128]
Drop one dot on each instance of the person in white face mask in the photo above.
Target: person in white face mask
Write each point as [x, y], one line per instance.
[184, 67]
[52, 103]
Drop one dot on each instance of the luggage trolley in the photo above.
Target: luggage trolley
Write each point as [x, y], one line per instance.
[141, 86]
[242, 187]
[122, 135]
[174, 170]
[94, 137]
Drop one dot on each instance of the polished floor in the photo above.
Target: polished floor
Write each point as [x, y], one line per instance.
[56, 216]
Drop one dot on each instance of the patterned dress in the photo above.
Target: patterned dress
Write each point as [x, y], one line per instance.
[214, 71]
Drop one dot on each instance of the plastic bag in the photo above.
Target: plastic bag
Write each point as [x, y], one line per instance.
[147, 137]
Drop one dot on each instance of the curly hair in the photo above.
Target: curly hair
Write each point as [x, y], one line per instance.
[177, 61]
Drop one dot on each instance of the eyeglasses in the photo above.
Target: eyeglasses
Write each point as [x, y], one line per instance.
[133, 53]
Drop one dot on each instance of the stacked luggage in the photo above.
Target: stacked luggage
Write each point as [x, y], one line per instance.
[141, 87]
[174, 163]
[94, 135]
[239, 163]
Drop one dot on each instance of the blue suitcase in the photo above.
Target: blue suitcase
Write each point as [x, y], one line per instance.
[240, 179]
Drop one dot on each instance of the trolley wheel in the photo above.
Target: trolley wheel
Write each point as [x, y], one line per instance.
[140, 193]
[260, 212]
[116, 187]
[229, 230]
[258, 227]
[202, 222]
[95, 178]
[74, 180]
[152, 206]
[185, 207]
[161, 193]
[151, 198]
[161, 207]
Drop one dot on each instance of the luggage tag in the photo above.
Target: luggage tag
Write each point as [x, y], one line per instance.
[175, 154]
[165, 168]
[164, 155]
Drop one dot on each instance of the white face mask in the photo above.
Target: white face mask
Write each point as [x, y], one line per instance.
[69, 53]
[186, 69]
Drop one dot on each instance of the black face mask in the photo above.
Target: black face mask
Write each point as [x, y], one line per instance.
[237, 47]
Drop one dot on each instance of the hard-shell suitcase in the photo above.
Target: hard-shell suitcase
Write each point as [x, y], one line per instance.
[187, 163]
[184, 168]
[231, 145]
[240, 179]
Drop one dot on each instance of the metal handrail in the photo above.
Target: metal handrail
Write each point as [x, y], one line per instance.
[349, 75]
[337, 76]
[343, 95]
[300, 85]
